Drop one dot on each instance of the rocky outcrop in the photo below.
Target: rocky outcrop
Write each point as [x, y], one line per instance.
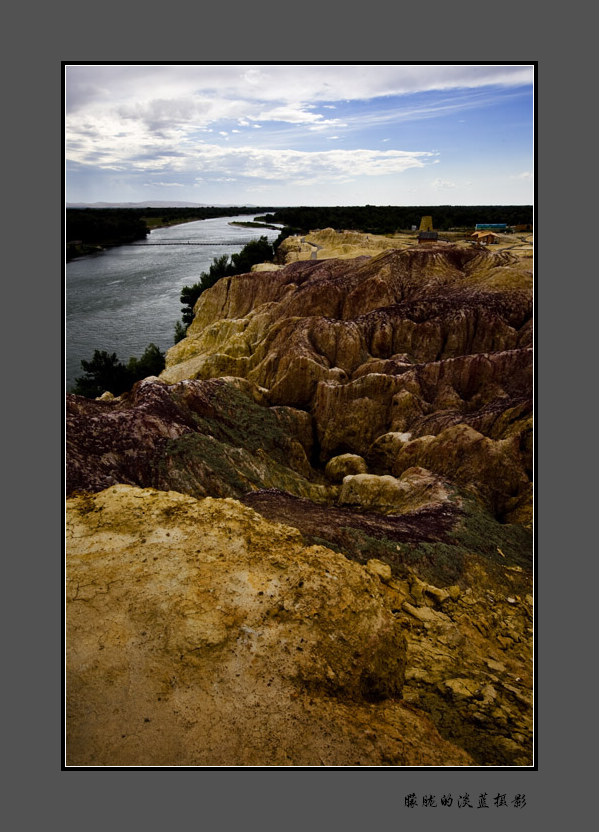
[199, 437]
[413, 341]
[484, 697]
[339, 467]
[292, 249]
[390, 495]
[339, 315]
[199, 634]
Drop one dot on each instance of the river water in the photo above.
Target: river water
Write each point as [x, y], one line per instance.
[122, 299]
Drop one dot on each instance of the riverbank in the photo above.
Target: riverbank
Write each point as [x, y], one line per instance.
[257, 225]
[125, 296]
[159, 222]
[74, 250]
[108, 227]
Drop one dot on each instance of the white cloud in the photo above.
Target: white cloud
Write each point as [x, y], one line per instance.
[144, 107]
[105, 140]
[298, 114]
[300, 84]
[443, 184]
[164, 184]
[297, 166]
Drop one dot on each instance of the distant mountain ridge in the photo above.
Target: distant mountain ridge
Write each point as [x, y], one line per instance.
[155, 204]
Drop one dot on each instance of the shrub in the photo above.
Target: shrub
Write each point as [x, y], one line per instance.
[180, 332]
[106, 373]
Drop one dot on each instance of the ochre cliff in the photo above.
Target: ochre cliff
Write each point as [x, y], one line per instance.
[416, 342]
[377, 412]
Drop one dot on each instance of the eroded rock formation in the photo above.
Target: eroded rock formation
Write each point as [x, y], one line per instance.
[381, 407]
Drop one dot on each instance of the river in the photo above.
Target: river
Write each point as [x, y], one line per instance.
[126, 297]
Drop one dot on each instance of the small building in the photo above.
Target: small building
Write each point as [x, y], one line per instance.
[428, 237]
[426, 224]
[484, 237]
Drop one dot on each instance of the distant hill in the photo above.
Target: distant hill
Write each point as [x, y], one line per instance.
[152, 204]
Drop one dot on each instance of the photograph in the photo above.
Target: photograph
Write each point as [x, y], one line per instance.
[299, 384]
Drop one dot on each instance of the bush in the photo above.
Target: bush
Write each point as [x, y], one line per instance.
[258, 251]
[106, 373]
[180, 332]
[150, 364]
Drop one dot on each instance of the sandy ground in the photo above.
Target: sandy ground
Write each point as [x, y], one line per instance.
[350, 244]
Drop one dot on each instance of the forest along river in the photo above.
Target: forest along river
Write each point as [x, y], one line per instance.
[126, 297]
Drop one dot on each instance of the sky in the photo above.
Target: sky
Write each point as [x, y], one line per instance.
[300, 134]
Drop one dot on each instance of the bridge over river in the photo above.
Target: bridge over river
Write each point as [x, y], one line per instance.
[195, 243]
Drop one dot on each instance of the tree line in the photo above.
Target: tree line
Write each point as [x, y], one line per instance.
[388, 219]
[87, 229]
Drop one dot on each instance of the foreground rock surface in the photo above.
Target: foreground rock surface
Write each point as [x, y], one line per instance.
[200, 634]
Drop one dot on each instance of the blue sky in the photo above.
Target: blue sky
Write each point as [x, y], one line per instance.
[300, 134]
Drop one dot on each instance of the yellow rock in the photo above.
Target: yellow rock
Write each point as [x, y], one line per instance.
[200, 634]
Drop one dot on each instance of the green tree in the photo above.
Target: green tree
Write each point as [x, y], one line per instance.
[106, 373]
[151, 363]
[180, 332]
[103, 372]
[257, 251]
[189, 296]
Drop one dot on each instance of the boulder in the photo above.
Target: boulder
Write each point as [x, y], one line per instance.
[372, 492]
[415, 488]
[343, 465]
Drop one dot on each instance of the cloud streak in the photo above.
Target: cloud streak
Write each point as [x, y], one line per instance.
[300, 166]
[325, 83]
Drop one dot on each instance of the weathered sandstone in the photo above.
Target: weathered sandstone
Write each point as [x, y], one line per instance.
[416, 487]
[406, 341]
[341, 466]
[200, 634]
[376, 412]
